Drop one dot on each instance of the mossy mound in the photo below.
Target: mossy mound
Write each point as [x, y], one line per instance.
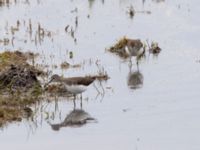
[12, 107]
[10, 58]
[19, 77]
[19, 85]
[119, 48]
[8, 115]
[154, 49]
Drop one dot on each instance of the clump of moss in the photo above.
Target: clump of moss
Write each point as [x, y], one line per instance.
[12, 106]
[9, 114]
[8, 58]
[18, 78]
[19, 85]
[154, 49]
[119, 48]
[65, 65]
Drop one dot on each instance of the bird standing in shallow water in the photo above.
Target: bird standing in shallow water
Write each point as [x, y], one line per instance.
[134, 48]
[75, 85]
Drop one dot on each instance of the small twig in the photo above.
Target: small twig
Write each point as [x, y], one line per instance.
[148, 44]
[96, 88]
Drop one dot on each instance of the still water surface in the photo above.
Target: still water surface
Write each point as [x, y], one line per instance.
[163, 113]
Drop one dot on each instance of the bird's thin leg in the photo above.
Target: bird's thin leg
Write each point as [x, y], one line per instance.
[74, 101]
[130, 63]
[81, 96]
[137, 65]
[74, 96]
[81, 104]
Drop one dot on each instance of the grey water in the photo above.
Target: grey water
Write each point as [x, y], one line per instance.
[162, 111]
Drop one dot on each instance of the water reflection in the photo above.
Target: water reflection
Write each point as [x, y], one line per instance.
[76, 118]
[91, 3]
[9, 2]
[135, 80]
[4, 3]
[143, 1]
[36, 32]
[158, 1]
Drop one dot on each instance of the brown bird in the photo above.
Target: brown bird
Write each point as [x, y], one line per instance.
[75, 85]
[134, 48]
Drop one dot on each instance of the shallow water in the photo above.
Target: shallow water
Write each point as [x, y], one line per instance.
[162, 114]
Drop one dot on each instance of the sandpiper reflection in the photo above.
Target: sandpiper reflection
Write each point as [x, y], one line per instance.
[76, 118]
[135, 80]
[158, 1]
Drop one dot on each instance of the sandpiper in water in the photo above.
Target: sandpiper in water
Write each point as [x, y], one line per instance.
[134, 48]
[75, 85]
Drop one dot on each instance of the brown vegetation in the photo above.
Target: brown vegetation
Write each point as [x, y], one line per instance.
[19, 85]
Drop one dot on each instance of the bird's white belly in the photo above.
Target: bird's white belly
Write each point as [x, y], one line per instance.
[134, 51]
[76, 89]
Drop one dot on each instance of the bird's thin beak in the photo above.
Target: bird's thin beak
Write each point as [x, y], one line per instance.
[48, 83]
[95, 121]
[92, 120]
